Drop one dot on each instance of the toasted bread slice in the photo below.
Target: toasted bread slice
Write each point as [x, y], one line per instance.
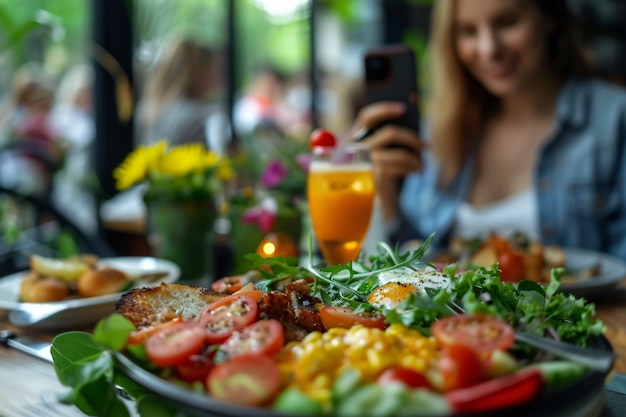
[148, 306]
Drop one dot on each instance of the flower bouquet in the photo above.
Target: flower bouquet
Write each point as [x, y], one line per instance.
[181, 186]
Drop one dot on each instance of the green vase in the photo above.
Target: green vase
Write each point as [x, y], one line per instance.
[182, 232]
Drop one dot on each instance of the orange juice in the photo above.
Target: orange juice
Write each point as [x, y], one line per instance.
[340, 199]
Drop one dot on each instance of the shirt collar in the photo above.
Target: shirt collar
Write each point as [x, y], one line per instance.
[572, 103]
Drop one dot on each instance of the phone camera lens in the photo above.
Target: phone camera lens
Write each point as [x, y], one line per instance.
[376, 68]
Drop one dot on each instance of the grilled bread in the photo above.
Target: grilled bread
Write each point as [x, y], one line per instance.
[149, 306]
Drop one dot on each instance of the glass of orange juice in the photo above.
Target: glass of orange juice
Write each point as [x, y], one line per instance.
[340, 193]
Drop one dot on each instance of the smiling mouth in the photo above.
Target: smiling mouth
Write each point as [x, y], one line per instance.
[501, 71]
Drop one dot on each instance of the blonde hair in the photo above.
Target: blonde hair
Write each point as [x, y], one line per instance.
[176, 76]
[459, 104]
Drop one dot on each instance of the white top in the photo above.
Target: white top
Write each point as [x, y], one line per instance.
[517, 213]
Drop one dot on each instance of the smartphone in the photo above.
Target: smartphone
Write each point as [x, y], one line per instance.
[391, 75]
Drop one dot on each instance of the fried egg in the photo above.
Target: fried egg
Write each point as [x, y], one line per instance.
[391, 294]
[396, 285]
[420, 279]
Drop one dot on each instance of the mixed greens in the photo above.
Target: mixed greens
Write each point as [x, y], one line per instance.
[527, 306]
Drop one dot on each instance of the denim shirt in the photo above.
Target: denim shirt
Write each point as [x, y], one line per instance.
[579, 180]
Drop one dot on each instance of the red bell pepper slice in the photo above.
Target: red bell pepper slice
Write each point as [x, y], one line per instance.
[507, 391]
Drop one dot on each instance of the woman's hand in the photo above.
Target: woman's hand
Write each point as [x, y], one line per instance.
[395, 151]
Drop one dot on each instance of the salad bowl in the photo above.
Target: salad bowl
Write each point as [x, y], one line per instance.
[467, 361]
[583, 398]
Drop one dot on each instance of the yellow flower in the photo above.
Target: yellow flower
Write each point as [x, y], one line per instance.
[182, 171]
[137, 164]
[225, 171]
[182, 160]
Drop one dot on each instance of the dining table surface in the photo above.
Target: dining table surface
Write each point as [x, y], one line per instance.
[29, 386]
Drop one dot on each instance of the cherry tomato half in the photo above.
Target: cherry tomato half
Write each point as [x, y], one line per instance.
[234, 283]
[407, 376]
[174, 345]
[481, 332]
[247, 379]
[333, 316]
[460, 367]
[139, 337]
[196, 368]
[322, 138]
[264, 337]
[512, 266]
[226, 315]
[229, 285]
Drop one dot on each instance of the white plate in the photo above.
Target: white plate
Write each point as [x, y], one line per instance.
[83, 311]
[612, 272]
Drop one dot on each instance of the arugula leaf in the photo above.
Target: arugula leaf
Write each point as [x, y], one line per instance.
[339, 284]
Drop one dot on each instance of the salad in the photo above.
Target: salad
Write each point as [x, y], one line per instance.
[380, 337]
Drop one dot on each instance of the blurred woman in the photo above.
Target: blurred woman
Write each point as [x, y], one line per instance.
[520, 136]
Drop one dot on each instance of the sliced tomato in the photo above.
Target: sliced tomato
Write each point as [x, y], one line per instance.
[511, 266]
[139, 337]
[407, 376]
[229, 285]
[334, 316]
[481, 332]
[265, 337]
[256, 295]
[175, 344]
[196, 368]
[226, 315]
[507, 391]
[460, 367]
[232, 284]
[247, 379]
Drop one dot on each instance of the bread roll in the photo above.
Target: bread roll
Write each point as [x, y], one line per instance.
[101, 282]
[36, 289]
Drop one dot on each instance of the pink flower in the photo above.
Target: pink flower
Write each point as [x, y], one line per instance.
[273, 174]
[264, 215]
[304, 161]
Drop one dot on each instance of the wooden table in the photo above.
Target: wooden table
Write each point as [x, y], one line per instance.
[28, 386]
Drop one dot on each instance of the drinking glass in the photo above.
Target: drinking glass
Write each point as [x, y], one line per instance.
[340, 192]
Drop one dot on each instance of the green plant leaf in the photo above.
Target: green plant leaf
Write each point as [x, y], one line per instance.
[113, 331]
[78, 358]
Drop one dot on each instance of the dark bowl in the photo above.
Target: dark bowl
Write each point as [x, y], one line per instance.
[582, 398]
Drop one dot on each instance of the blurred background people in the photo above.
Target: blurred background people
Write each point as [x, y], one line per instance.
[72, 116]
[180, 99]
[519, 137]
[260, 106]
[73, 121]
[30, 148]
